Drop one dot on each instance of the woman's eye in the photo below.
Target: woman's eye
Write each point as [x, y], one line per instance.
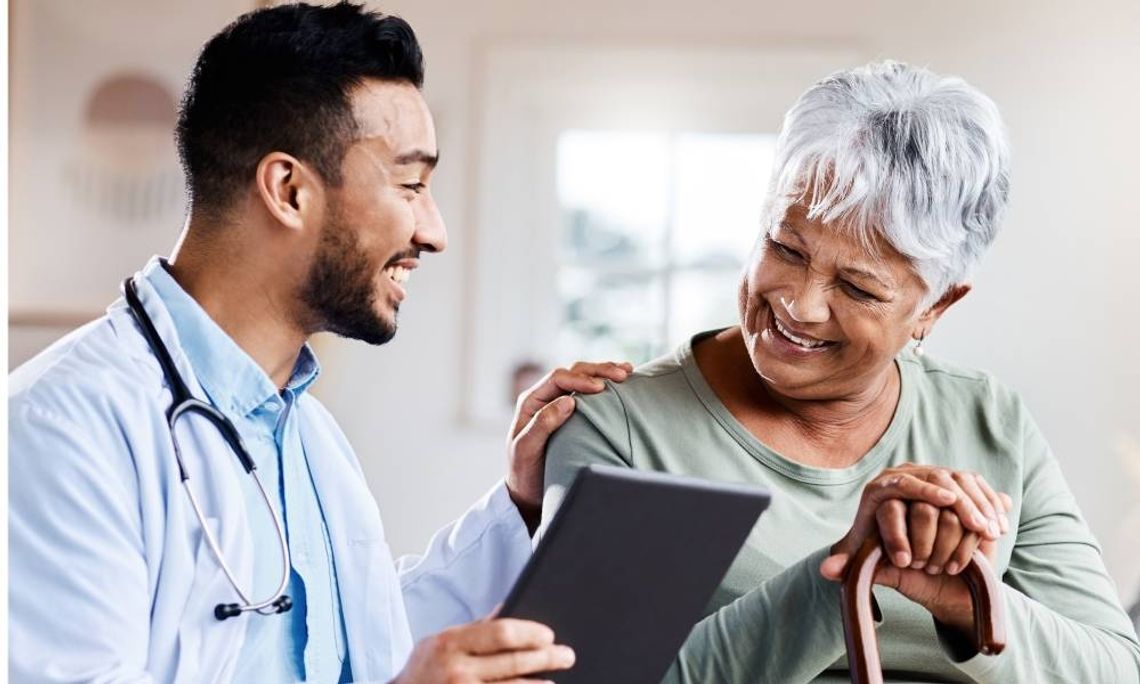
[858, 292]
[785, 252]
[414, 187]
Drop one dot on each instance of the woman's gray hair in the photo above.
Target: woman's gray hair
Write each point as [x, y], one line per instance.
[897, 150]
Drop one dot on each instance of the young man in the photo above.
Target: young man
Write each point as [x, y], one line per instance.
[181, 509]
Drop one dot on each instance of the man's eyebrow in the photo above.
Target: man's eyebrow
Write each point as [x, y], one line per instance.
[418, 157]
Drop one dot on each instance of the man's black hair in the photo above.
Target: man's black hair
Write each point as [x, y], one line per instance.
[279, 79]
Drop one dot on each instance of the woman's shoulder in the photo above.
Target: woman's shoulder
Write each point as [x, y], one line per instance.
[959, 394]
[651, 386]
[929, 371]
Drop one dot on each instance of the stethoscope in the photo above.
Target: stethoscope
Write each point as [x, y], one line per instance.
[184, 403]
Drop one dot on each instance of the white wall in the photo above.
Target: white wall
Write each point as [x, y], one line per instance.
[1054, 312]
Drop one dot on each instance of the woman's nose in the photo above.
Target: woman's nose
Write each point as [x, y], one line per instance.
[809, 305]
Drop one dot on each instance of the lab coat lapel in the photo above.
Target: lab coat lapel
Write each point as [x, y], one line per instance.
[379, 640]
[208, 650]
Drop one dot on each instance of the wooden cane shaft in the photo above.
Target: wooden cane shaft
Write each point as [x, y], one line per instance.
[859, 622]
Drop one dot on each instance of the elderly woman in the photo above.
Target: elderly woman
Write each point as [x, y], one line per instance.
[889, 184]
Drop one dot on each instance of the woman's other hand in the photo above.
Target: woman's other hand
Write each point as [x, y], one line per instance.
[927, 543]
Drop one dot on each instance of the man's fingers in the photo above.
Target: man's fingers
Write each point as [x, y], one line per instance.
[614, 371]
[922, 524]
[555, 384]
[499, 635]
[532, 438]
[516, 663]
[891, 517]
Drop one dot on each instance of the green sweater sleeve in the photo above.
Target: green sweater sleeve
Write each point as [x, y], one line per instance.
[787, 629]
[1064, 622]
[597, 433]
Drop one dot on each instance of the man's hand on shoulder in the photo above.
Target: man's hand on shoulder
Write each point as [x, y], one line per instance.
[540, 411]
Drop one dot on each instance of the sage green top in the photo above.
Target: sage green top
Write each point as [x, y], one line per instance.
[774, 618]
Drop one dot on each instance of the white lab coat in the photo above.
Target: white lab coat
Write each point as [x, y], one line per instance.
[110, 577]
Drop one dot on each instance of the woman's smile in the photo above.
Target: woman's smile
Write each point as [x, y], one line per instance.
[785, 339]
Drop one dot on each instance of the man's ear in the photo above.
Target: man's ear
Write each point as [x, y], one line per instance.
[287, 188]
[928, 318]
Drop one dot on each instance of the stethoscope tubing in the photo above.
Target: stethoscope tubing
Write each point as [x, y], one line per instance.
[184, 403]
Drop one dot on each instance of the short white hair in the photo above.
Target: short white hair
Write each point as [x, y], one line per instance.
[920, 159]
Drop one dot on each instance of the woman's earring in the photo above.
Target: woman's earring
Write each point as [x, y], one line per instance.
[918, 350]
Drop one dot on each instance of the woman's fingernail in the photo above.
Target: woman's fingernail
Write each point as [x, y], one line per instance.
[933, 569]
[995, 532]
[1004, 523]
[980, 521]
[902, 559]
[952, 568]
[918, 564]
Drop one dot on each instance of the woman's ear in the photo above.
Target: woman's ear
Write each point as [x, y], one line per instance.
[287, 189]
[929, 317]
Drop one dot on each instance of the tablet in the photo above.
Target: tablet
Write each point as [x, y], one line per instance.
[627, 566]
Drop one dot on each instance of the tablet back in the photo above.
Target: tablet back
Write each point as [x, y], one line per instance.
[627, 565]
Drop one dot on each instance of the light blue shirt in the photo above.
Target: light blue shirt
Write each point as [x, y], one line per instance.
[110, 578]
[306, 643]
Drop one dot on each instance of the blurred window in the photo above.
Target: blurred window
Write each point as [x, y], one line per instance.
[656, 229]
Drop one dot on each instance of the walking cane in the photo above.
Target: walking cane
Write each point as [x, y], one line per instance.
[859, 623]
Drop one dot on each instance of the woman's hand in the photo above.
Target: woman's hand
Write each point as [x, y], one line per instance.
[927, 543]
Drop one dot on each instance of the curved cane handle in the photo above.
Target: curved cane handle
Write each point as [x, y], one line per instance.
[859, 622]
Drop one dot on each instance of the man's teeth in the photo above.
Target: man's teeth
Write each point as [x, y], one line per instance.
[810, 344]
[397, 274]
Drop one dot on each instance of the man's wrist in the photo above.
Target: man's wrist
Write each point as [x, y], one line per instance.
[530, 513]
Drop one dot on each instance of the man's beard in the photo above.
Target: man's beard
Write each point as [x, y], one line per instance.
[340, 292]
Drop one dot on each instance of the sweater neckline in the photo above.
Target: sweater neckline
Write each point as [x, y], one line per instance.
[872, 461]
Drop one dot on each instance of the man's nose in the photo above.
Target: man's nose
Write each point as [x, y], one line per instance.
[431, 233]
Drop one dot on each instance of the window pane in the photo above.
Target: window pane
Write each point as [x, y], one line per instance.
[702, 300]
[613, 190]
[721, 181]
[610, 316]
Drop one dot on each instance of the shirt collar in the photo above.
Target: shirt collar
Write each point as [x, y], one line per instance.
[223, 369]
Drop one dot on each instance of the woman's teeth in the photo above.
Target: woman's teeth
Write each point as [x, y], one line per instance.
[397, 274]
[807, 343]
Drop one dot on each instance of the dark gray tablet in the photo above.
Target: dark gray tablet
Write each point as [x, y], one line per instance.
[627, 566]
